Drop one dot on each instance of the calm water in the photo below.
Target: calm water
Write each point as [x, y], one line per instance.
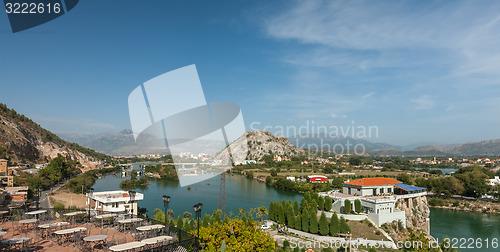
[461, 224]
[444, 170]
[241, 192]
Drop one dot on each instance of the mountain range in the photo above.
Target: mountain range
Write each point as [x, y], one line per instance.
[24, 141]
[122, 143]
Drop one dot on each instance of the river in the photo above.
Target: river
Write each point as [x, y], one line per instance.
[462, 224]
[241, 192]
[245, 193]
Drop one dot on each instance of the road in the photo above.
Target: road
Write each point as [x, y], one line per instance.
[44, 199]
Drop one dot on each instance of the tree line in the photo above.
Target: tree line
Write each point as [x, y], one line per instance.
[304, 217]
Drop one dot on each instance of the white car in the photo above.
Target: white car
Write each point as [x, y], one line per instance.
[264, 227]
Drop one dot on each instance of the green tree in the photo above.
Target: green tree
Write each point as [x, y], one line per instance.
[271, 211]
[334, 225]
[321, 203]
[237, 235]
[305, 220]
[281, 214]
[328, 203]
[206, 220]
[296, 208]
[347, 206]
[313, 222]
[297, 222]
[406, 178]
[357, 205]
[159, 215]
[180, 223]
[344, 227]
[170, 213]
[187, 215]
[355, 160]
[324, 228]
[337, 182]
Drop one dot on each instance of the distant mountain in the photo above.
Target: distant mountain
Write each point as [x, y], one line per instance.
[483, 148]
[118, 143]
[337, 141]
[22, 141]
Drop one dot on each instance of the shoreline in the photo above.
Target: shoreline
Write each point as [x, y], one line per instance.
[466, 205]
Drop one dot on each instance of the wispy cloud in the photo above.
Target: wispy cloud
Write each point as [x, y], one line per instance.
[371, 34]
[424, 103]
[82, 125]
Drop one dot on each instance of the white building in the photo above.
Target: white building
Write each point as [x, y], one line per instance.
[114, 201]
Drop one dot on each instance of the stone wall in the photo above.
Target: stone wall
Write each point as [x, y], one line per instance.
[417, 212]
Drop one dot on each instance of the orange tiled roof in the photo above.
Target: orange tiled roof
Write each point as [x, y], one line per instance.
[373, 181]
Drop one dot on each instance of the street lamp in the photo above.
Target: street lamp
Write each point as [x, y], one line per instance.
[132, 197]
[166, 200]
[90, 192]
[38, 192]
[197, 210]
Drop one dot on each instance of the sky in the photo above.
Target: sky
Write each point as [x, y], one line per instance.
[419, 71]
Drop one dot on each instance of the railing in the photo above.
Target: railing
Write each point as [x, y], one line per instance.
[410, 195]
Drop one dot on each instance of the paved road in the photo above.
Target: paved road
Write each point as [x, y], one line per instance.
[44, 199]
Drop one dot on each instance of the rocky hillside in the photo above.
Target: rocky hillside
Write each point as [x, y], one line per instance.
[24, 141]
[262, 143]
[417, 212]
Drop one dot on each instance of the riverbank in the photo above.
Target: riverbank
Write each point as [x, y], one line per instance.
[477, 206]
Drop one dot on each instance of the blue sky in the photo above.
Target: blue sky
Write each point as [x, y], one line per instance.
[418, 70]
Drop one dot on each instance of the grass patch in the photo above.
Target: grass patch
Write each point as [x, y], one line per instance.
[360, 229]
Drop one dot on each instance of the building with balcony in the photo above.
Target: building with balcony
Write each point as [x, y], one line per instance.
[378, 198]
[114, 201]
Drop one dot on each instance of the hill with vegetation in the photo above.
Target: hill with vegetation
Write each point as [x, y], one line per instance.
[24, 141]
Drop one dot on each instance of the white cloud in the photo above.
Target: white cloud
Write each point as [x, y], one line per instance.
[335, 116]
[424, 103]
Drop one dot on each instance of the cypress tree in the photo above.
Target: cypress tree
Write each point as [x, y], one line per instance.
[344, 227]
[296, 208]
[328, 203]
[324, 228]
[347, 206]
[334, 225]
[313, 222]
[303, 205]
[314, 204]
[305, 220]
[357, 205]
[281, 215]
[297, 222]
[321, 203]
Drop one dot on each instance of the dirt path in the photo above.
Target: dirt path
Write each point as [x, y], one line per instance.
[68, 198]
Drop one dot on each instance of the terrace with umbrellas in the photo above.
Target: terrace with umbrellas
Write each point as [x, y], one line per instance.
[110, 223]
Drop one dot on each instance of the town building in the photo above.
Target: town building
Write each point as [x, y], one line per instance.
[17, 196]
[317, 179]
[114, 201]
[4, 167]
